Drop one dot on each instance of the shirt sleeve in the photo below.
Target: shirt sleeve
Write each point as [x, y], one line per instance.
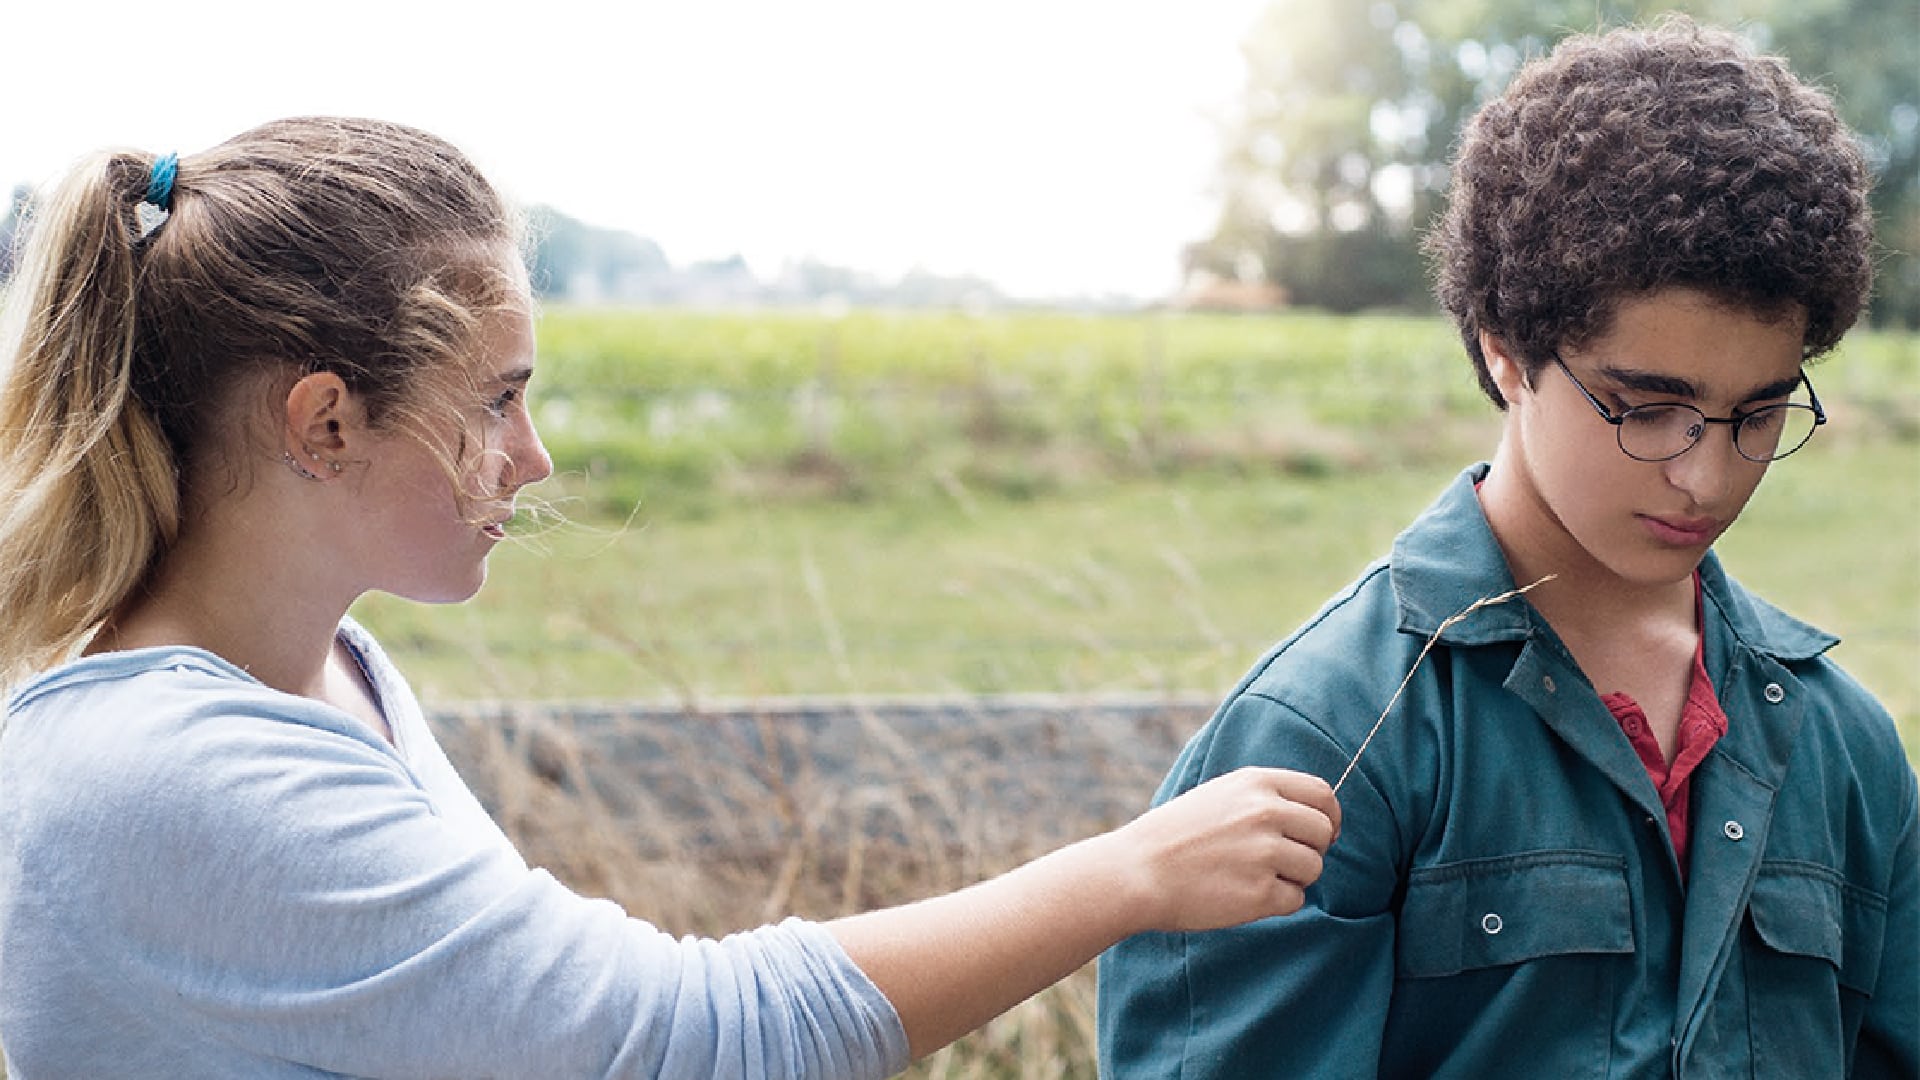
[1303, 995]
[290, 889]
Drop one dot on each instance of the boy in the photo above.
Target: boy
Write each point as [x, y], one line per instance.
[1631, 823]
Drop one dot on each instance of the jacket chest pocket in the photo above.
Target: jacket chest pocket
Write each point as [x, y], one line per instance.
[1509, 910]
[1812, 956]
[1512, 961]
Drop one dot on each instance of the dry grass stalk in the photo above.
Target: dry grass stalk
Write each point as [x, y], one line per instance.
[1456, 617]
[791, 839]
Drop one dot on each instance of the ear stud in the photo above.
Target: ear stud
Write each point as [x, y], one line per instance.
[305, 473]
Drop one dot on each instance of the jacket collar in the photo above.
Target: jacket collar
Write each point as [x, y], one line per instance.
[1447, 559]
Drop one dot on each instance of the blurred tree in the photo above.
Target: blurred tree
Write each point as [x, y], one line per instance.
[1867, 53]
[10, 232]
[1338, 158]
[1312, 174]
[585, 262]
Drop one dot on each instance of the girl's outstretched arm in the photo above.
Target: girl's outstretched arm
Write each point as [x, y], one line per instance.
[1242, 846]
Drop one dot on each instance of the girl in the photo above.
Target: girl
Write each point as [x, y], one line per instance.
[243, 388]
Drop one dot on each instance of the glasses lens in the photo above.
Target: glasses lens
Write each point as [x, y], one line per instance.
[1775, 431]
[1658, 432]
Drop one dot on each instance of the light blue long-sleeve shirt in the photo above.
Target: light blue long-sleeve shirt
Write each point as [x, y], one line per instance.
[201, 876]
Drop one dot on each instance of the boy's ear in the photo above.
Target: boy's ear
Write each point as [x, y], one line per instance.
[1508, 373]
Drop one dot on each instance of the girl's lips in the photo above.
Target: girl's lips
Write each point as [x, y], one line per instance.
[1681, 532]
[497, 528]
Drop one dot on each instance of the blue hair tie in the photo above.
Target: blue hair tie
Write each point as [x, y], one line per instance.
[160, 181]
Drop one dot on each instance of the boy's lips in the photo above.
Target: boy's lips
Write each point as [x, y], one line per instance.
[1683, 531]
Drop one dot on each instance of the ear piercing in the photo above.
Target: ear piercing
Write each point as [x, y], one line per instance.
[301, 470]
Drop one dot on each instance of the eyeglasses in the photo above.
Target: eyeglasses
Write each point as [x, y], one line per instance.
[1663, 431]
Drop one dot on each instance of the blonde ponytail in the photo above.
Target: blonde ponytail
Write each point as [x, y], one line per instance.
[364, 248]
[89, 494]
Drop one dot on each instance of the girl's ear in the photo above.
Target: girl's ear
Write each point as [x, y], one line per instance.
[319, 409]
[1508, 373]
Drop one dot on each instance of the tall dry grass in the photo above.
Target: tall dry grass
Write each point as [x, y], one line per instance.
[705, 820]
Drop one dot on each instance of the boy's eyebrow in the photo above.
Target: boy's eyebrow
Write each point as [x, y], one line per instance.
[515, 377]
[1777, 388]
[1651, 382]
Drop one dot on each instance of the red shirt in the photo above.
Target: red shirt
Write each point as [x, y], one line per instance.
[1702, 722]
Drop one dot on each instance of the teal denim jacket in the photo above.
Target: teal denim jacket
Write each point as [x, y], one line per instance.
[1503, 900]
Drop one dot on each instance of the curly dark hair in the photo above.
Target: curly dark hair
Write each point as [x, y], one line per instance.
[1644, 158]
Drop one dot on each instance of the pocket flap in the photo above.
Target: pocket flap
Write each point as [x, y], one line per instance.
[1490, 912]
[1810, 911]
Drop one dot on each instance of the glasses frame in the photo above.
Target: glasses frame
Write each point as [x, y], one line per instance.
[1619, 420]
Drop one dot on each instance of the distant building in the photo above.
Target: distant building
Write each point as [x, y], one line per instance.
[1207, 291]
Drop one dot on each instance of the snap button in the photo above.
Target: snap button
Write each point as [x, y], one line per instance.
[1734, 830]
[1492, 923]
[1774, 694]
[1547, 681]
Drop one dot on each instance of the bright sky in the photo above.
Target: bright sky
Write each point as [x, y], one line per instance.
[1056, 147]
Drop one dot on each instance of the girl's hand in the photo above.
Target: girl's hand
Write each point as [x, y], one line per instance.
[1239, 847]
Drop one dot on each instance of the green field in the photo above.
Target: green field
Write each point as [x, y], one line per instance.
[786, 504]
[792, 504]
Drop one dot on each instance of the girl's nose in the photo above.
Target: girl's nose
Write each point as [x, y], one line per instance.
[531, 462]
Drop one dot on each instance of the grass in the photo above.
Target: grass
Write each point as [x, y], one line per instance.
[781, 834]
[792, 504]
[684, 413]
[1144, 585]
[886, 503]
[688, 414]
[881, 504]
[1152, 585]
